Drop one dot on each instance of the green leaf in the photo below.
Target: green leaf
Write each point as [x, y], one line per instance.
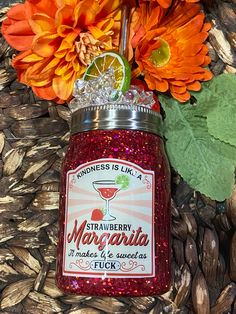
[221, 123]
[225, 150]
[217, 102]
[216, 93]
[194, 153]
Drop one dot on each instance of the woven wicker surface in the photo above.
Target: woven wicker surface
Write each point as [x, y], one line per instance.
[33, 140]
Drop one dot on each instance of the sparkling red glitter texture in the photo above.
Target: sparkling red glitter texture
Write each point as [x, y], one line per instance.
[147, 151]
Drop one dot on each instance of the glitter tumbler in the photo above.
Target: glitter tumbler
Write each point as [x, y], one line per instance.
[114, 225]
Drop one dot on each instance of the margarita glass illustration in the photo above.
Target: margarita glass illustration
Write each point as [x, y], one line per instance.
[107, 190]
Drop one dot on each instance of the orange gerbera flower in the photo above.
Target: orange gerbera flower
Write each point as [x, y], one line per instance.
[58, 39]
[169, 48]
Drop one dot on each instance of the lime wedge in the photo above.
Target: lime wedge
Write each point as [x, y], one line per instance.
[123, 181]
[107, 60]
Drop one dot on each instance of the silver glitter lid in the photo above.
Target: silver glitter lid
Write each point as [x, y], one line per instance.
[118, 116]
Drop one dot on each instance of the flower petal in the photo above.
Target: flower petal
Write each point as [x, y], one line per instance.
[45, 92]
[17, 13]
[41, 23]
[181, 97]
[15, 39]
[162, 85]
[45, 44]
[45, 6]
[195, 86]
[62, 88]
[178, 89]
[65, 16]
[52, 64]
[164, 3]
[32, 58]
[62, 68]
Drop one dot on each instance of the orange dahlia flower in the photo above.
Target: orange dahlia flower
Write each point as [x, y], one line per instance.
[169, 48]
[166, 3]
[58, 39]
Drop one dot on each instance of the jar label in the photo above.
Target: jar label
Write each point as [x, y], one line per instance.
[109, 220]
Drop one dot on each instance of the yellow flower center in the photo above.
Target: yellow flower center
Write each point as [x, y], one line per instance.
[161, 56]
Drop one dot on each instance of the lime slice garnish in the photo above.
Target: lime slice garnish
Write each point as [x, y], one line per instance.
[101, 64]
[123, 181]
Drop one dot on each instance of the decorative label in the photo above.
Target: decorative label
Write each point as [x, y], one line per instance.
[109, 221]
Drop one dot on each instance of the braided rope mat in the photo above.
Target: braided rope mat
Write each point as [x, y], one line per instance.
[33, 139]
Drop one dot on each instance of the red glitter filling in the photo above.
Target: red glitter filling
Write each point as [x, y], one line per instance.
[145, 150]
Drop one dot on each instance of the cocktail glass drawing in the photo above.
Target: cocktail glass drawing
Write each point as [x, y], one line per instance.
[107, 190]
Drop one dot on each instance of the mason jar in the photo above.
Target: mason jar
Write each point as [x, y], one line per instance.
[114, 216]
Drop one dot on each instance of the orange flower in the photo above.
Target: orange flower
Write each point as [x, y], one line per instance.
[169, 48]
[166, 3]
[58, 39]
[162, 3]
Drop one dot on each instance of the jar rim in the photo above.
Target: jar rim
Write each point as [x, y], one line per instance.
[117, 116]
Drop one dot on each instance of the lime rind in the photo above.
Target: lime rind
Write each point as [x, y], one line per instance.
[106, 60]
[122, 180]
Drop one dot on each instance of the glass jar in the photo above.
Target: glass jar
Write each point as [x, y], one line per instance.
[114, 224]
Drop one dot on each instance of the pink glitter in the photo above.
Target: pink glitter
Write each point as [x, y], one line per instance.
[145, 150]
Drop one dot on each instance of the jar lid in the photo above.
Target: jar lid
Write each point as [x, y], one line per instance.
[119, 116]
